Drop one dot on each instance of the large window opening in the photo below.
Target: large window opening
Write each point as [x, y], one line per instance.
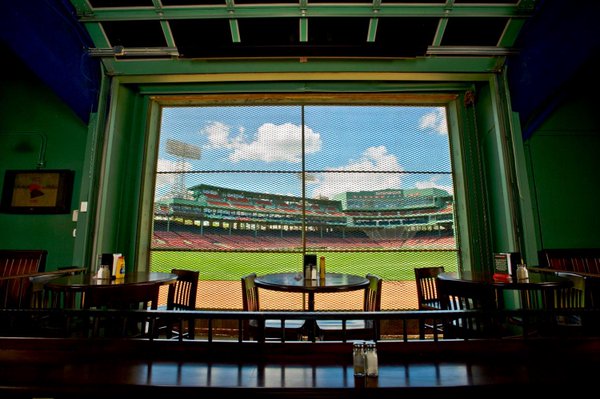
[252, 188]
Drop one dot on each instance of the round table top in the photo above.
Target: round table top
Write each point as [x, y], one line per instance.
[82, 281]
[536, 279]
[295, 282]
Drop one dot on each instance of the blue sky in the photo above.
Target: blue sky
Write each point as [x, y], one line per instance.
[368, 139]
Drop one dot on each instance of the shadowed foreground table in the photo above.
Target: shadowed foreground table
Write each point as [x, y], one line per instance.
[65, 368]
[69, 286]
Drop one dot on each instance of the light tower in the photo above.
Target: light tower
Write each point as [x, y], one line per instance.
[182, 151]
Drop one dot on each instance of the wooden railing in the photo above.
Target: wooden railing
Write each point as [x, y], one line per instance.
[229, 325]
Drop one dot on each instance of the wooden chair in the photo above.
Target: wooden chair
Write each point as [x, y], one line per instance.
[427, 296]
[272, 330]
[578, 260]
[181, 296]
[565, 298]
[16, 292]
[591, 322]
[40, 296]
[466, 295]
[355, 329]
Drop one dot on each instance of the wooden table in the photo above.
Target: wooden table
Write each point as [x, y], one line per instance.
[295, 282]
[536, 279]
[70, 286]
[540, 282]
[92, 369]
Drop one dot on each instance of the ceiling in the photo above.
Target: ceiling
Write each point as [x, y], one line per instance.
[191, 29]
[68, 42]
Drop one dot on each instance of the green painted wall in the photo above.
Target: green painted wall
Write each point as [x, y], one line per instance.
[564, 163]
[28, 112]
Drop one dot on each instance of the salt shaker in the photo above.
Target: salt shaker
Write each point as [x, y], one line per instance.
[104, 273]
[358, 354]
[371, 360]
[522, 273]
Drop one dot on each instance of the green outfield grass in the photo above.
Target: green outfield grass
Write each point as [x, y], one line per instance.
[391, 266]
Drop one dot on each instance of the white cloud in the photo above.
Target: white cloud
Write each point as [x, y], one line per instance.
[218, 135]
[435, 120]
[271, 142]
[372, 159]
[432, 183]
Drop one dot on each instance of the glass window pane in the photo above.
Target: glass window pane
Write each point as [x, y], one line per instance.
[242, 189]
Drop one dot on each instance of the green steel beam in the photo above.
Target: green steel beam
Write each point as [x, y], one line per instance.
[235, 31]
[303, 30]
[97, 35]
[448, 66]
[509, 36]
[372, 32]
[439, 33]
[167, 33]
[295, 10]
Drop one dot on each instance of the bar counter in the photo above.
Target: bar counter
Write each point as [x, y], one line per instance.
[84, 368]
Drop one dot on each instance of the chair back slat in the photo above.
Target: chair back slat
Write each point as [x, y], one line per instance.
[250, 293]
[372, 301]
[183, 293]
[427, 295]
[15, 293]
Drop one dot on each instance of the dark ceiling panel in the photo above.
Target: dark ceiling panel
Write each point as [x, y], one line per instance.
[50, 41]
[473, 31]
[247, 2]
[120, 3]
[202, 38]
[341, 31]
[406, 36]
[412, 1]
[486, 1]
[556, 46]
[193, 2]
[345, 1]
[269, 31]
[134, 33]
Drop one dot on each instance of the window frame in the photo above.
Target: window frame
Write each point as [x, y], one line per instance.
[452, 101]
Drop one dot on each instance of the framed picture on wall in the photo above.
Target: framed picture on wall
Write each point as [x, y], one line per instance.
[37, 191]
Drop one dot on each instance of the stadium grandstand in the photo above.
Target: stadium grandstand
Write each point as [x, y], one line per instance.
[219, 218]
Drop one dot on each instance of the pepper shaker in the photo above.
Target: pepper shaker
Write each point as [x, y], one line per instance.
[371, 360]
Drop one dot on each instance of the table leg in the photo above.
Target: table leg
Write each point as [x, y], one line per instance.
[312, 326]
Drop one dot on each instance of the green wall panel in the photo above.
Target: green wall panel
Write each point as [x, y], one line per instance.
[564, 158]
[30, 112]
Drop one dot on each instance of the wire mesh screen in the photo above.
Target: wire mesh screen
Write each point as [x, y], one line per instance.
[251, 189]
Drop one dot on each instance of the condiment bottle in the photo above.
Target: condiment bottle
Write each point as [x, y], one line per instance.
[103, 272]
[522, 272]
[358, 355]
[371, 360]
[322, 268]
